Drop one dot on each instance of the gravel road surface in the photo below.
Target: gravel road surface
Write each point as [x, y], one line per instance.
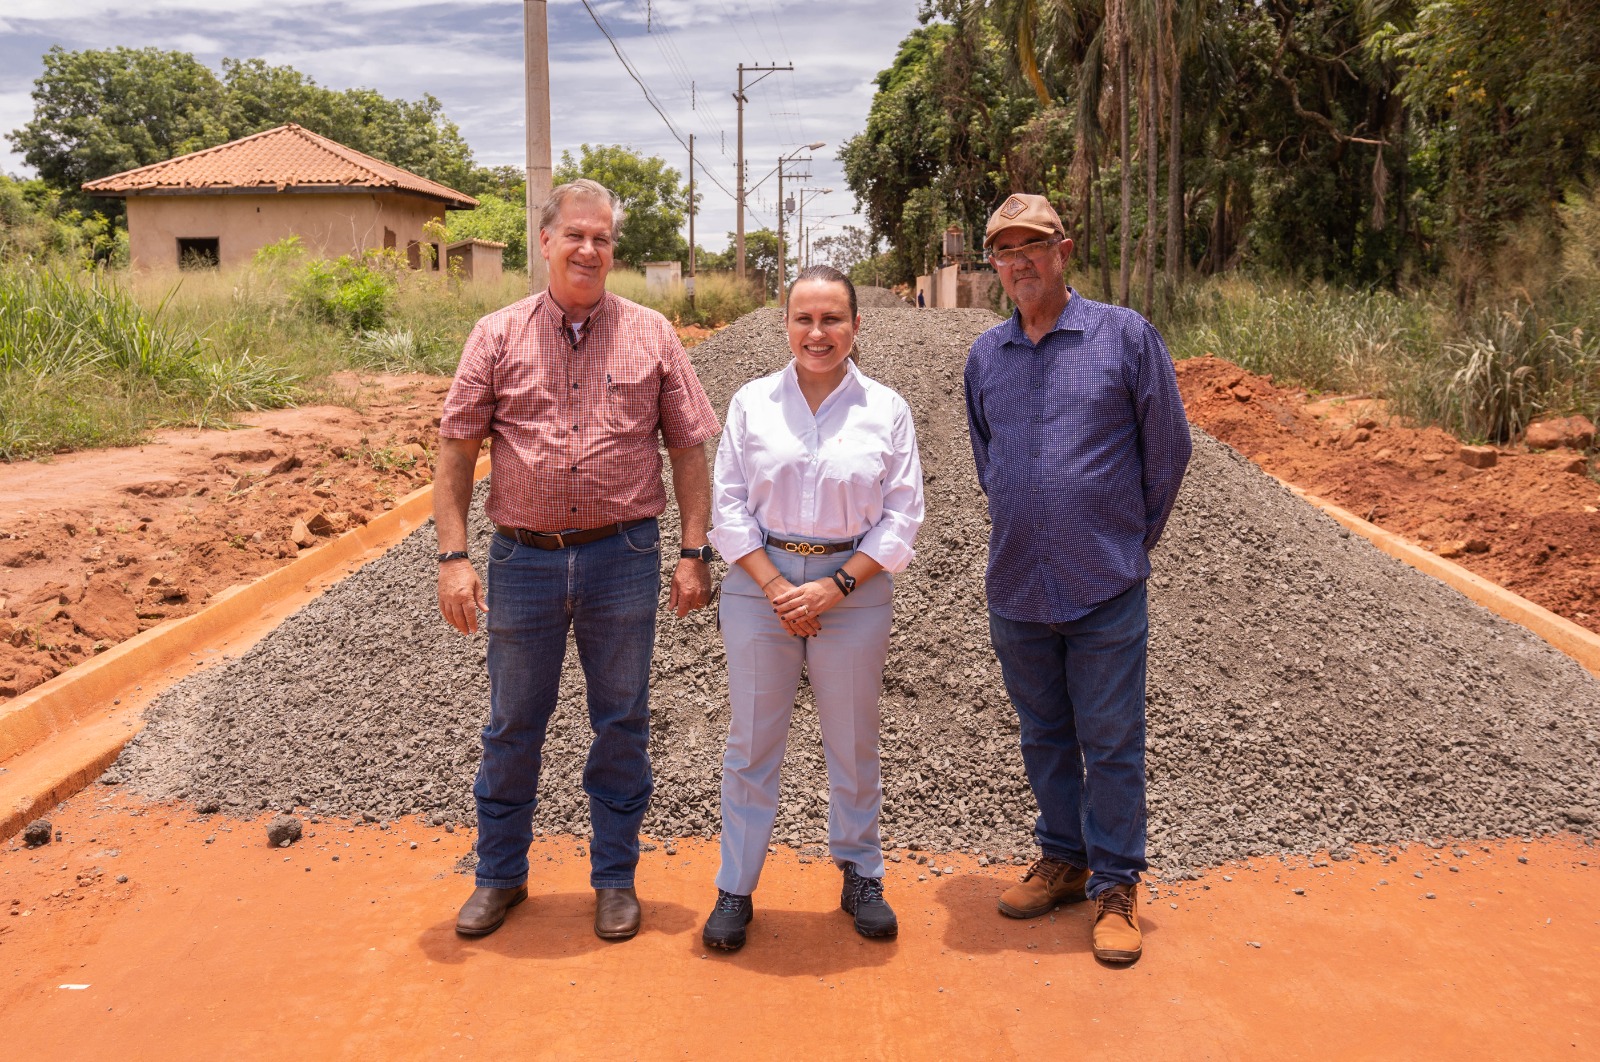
[1306, 692]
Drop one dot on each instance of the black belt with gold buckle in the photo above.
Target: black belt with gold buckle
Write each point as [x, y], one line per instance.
[563, 539]
[812, 549]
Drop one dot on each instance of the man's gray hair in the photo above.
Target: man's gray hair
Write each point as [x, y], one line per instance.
[585, 189]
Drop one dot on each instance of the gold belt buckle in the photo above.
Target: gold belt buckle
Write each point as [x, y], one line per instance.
[805, 549]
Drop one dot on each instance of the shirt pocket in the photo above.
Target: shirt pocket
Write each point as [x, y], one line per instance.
[632, 399]
[1086, 396]
[854, 460]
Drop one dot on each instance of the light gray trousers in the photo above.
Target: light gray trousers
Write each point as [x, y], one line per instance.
[844, 665]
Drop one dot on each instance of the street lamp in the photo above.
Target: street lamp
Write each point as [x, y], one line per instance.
[782, 262]
[800, 225]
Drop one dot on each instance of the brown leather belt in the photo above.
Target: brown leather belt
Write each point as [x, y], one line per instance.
[812, 549]
[563, 539]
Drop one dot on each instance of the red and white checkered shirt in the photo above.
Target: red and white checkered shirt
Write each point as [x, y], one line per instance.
[575, 423]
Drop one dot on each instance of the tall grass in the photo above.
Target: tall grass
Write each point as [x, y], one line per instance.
[1322, 338]
[719, 297]
[83, 364]
[1482, 376]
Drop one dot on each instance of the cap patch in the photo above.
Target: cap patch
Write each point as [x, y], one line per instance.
[1012, 207]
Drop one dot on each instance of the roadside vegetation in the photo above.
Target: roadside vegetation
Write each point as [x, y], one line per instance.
[94, 356]
[1386, 199]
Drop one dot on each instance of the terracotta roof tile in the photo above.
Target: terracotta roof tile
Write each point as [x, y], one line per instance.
[276, 159]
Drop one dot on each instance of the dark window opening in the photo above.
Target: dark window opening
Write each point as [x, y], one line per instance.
[388, 239]
[199, 253]
[436, 254]
[414, 254]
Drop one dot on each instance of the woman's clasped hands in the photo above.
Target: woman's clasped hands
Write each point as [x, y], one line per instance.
[800, 608]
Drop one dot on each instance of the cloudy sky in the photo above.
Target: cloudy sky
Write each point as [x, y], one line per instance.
[468, 53]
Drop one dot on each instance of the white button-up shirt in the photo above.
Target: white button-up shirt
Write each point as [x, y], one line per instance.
[851, 470]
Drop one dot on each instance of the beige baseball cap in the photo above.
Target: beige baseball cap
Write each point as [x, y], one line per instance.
[1031, 212]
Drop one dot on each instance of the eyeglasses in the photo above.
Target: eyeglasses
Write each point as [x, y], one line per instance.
[1014, 255]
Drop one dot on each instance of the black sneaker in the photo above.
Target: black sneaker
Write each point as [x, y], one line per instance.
[863, 898]
[725, 928]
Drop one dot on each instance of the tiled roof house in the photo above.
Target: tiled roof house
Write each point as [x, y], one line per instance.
[220, 205]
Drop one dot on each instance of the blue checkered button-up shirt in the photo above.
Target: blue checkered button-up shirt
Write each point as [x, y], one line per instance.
[1081, 444]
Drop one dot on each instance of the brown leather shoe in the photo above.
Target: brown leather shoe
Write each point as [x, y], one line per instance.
[486, 908]
[1048, 883]
[1116, 925]
[616, 913]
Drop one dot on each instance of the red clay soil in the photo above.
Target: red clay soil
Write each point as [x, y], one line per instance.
[155, 933]
[1530, 523]
[98, 546]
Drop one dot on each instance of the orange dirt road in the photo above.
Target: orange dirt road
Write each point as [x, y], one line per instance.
[342, 946]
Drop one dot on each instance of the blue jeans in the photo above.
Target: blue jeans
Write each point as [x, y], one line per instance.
[1078, 689]
[606, 593]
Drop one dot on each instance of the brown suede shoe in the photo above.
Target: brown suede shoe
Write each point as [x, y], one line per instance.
[1116, 924]
[486, 908]
[616, 914]
[1047, 883]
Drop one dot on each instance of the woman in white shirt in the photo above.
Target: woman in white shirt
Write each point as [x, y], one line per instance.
[817, 496]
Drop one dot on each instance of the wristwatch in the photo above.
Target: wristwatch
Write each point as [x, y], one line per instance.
[454, 555]
[701, 554]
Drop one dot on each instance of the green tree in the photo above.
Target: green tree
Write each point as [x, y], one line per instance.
[96, 113]
[846, 249]
[937, 146]
[652, 193]
[501, 220]
[415, 134]
[99, 112]
[1511, 91]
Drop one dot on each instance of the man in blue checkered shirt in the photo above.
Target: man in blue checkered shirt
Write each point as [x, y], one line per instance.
[1081, 443]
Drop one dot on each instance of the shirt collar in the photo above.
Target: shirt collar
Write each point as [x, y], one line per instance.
[558, 316]
[1071, 319]
[853, 377]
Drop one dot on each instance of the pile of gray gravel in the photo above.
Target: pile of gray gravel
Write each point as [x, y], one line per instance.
[871, 298]
[1306, 691]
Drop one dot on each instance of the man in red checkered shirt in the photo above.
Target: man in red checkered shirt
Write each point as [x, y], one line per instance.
[575, 386]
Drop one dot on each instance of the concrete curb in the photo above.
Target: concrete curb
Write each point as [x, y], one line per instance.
[76, 711]
[1581, 644]
[72, 717]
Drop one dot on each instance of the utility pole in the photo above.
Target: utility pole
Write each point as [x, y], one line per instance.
[536, 65]
[738, 239]
[691, 221]
[790, 157]
[802, 238]
[783, 254]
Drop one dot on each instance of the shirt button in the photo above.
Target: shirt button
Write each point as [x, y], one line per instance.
[574, 468]
[574, 427]
[574, 387]
[574, 508]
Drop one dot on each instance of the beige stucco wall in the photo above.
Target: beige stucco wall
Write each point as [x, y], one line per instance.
[476, 260]
[328, 224]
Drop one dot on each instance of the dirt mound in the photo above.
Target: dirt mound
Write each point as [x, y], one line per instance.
[1530, 523]
[96, 547]
[1306, 691]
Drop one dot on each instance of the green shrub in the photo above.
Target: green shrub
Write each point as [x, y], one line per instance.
[348, 291]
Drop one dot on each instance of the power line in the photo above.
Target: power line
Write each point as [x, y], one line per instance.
[649, 96]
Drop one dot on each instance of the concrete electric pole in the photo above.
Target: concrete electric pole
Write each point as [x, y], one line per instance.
[738, 237]
[691, 222]
[783, 266]
[536, 64]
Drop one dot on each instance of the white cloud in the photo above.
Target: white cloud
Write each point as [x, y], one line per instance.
[468, 53]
